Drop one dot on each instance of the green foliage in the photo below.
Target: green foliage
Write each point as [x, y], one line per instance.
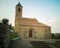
[6, 34]
[5, 21]
[55, 35]
[13, 35]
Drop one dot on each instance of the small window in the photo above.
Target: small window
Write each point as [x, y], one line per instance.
[19, 9]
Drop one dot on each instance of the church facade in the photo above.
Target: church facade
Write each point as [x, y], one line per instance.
[30, 27]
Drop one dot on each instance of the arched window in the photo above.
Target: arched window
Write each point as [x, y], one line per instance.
[30, 33]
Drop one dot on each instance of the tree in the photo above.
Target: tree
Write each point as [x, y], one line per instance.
[5, 21]
[4, 33]
[55, 35]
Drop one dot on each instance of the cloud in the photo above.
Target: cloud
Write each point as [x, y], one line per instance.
[52, 21]
[55, 24]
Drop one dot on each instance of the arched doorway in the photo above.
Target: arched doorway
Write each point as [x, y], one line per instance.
[30, 33]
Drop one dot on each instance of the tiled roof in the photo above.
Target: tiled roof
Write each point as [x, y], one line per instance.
[19, 4]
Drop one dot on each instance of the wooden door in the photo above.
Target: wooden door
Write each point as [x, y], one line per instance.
[30, 33]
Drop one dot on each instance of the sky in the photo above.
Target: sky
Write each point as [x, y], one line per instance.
[45, 11]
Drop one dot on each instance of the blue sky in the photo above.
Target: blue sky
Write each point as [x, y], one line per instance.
[45, 11]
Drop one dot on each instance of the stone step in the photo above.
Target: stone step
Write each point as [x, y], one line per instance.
[41, 47]
[39, 44]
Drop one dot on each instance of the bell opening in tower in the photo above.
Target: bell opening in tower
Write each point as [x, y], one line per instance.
[19, 9]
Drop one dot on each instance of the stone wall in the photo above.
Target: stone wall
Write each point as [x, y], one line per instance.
[38, 32]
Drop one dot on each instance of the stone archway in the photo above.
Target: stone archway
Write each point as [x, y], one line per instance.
[31, 32]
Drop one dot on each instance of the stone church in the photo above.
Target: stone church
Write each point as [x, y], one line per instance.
[30, 28]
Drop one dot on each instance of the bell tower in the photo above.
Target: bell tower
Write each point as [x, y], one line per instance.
[18, 13]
